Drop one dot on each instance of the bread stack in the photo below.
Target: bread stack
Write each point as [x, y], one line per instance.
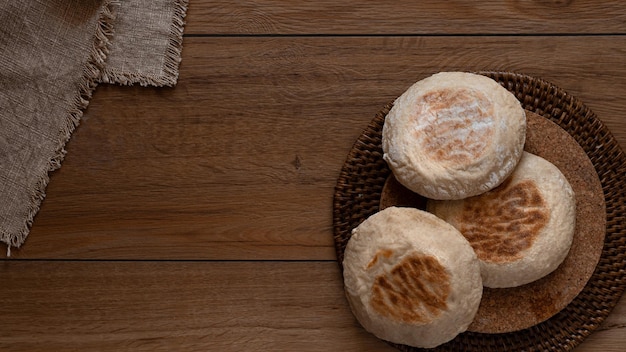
[496, 217]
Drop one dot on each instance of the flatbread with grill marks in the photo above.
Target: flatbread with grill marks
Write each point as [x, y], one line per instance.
[411, 278]
[523, 229]
[454, 135]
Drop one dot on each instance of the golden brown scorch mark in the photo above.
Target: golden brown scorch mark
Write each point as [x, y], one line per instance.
[414, 291]
[454, 124]
[383, 252]
[502, 223]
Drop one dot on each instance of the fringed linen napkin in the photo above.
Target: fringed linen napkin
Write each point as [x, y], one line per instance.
[53, 54]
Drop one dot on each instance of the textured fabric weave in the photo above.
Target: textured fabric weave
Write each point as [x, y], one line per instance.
[52, 56]
[147, 43]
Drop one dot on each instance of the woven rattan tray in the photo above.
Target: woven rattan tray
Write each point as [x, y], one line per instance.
[363, 175]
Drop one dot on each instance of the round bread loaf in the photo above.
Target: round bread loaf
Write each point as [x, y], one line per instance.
[454, 135]
[411, 278]
[523, 229]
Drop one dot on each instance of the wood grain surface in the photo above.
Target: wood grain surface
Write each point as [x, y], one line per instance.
[193, 306]
[256, 133]
[406, 17]
[199, 217]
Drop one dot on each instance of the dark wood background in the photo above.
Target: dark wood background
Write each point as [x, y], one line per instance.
[199, 217]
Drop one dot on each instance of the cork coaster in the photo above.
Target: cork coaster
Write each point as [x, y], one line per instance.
[512, 309]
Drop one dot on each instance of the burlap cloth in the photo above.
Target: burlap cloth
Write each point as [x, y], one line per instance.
[53, 54]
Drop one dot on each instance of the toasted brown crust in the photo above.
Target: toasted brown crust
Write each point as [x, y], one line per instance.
[414, 291]
[505, 221]
[387, 253]
[446, 122]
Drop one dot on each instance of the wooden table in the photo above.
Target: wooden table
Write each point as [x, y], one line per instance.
[200, 217]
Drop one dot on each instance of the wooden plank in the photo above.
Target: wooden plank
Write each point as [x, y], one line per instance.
[192, 306]
[405, 17]
[189, 306]
[239, 161]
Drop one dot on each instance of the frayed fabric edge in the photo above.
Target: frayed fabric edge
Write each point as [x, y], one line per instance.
[172, 57]
[91, 72]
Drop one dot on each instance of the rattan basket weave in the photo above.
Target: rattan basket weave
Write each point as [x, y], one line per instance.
[360, 183]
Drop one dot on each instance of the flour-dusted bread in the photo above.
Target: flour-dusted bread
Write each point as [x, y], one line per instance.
[523, 229]
[411, 278]
[454, 135]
